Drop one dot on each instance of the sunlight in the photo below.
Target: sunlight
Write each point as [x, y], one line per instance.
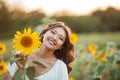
[31, 5]
[78, 6]
[82, 7]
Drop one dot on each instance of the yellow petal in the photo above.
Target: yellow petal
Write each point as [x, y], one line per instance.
[29, 30]
[16, 36]
[25, 31]
[14, 41]
[19, 33]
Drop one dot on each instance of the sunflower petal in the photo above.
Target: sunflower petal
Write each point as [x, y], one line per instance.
[16, 36]
[19, 33]
[29, 31]
[25, 31]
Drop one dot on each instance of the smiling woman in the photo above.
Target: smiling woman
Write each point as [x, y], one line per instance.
[81, 7]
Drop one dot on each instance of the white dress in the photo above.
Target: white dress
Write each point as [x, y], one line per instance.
[57, 72]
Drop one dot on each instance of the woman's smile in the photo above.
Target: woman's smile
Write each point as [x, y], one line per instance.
[52, 42]
[54, 38]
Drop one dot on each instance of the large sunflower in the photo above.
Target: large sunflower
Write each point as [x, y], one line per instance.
[26, 42]
[2, 48]
[3, 67]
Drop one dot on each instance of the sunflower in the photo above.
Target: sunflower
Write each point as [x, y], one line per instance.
[2, 48]
[71, 78]
[74, 38]
[26, 42]
[103, 58]
[92, 48]
[3, 67]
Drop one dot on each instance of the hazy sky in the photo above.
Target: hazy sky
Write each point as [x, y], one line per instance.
[82, 7]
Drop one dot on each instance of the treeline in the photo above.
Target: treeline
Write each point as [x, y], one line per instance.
[99, 21]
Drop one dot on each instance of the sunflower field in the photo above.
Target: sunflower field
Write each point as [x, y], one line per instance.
[97, 56]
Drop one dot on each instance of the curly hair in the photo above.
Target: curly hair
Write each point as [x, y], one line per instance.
[66, 54]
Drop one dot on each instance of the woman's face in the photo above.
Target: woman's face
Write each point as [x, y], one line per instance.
[54, 38]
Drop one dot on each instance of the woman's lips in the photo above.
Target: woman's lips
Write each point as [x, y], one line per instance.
[52, 42]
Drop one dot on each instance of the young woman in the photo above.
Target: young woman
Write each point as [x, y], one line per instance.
[56, 53]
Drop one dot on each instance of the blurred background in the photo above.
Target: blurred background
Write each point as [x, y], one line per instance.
[95, 25]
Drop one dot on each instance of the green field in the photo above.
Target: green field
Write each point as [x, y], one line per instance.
[99, 37]
[83, 41]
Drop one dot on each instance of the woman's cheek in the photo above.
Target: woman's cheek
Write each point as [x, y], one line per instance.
[61, 43]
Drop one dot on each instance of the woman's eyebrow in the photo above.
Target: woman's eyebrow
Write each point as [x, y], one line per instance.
[54, 30]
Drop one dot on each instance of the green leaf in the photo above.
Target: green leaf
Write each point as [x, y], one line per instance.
[118, 46]
[110, 59]
[112, 74]
[18, 74]
[38, 63]
[13, 59]
[100, 68]
[118, 71]
[30, 72]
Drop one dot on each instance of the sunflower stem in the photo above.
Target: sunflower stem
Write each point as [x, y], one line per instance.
[24, 75]
[24, 69]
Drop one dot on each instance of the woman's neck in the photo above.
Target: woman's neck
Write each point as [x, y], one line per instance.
[45, 53]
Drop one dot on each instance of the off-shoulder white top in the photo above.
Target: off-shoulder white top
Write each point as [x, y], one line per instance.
[57, 72]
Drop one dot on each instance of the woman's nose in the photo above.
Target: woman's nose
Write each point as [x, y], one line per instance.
[55, 37]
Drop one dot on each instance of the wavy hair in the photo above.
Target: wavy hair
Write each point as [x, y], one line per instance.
[66, 54]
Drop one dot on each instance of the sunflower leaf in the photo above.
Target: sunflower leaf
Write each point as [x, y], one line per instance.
[100, 68]
[30, 72]
[19, 74]
[38, 63]
[111, 59]
[13, 59]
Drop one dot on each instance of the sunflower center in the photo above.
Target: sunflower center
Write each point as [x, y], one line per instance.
[0, 49]
[26, 41]
[1, 67]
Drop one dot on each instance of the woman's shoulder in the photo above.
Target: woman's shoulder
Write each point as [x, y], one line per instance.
[61, 63]
[62, 69]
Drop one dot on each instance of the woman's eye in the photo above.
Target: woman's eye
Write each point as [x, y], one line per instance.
[61, 39]
[53, 32]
